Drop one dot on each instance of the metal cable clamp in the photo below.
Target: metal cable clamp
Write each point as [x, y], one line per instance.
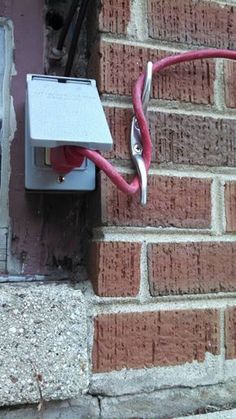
[136, 138]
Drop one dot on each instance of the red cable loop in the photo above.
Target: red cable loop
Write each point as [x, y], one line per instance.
[64, 159]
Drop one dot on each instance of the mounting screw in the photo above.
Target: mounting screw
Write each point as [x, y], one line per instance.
[138, 149]
[61, 179]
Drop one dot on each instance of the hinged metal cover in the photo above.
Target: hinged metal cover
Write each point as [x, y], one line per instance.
[66, 111]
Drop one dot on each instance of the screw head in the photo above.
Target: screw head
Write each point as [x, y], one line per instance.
[138, 149]
[60, 179]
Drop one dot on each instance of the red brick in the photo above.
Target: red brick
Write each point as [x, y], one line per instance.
[117, 67]
[119, 121]
[172, 201]
[114, 268]
[191, 268]
[230, 333]
[191, 139]
[230, 206]
[114, 16]
[149, 339]
[193, 22]
[178, 138]
[230, 83]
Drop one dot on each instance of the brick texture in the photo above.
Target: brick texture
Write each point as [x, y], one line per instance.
[114, 16]
[189, 268]
[117, 67]
[119, 121]
[230, 83]
[114, 268]
[230, 206]
[138, 340]
[230, 333]
[193, 22]
[149, 339]
[172, 201]
[178, 139]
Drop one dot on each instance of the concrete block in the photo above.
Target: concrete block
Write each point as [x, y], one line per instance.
[168, 403]
[133, 381]
[43, 343]
[230, 369]
[223, 414]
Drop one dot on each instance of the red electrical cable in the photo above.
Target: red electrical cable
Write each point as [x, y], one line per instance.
[66, 158]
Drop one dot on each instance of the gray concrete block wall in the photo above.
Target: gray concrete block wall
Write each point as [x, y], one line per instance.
[43, 335]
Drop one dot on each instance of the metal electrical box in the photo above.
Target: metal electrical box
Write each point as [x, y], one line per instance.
[62, 111]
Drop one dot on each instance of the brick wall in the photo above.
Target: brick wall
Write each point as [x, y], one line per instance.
[162, 311]
[165, 275]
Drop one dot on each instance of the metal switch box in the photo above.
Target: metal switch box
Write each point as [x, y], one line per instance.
[62, 111]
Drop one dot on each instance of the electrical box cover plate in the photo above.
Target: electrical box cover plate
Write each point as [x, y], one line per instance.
[66, 111]
[39, 176]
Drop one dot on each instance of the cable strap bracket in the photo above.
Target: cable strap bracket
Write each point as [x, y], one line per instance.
[136, 145]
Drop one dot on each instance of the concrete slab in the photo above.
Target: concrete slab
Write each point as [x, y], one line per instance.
[118, 383]
[85, 407]
[172, 403]
[224, 414]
